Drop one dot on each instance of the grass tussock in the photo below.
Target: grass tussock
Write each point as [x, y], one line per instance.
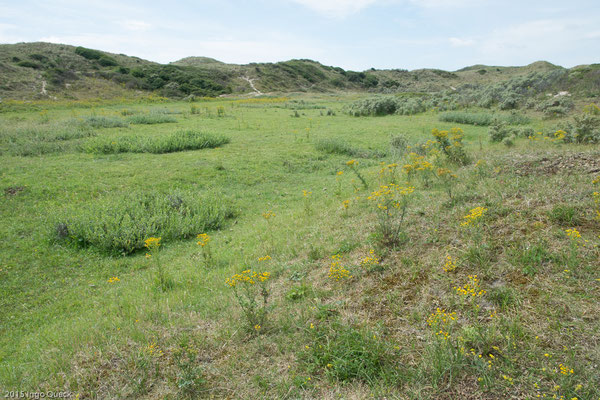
[151, 119]
[104, 122]
[483, 118]
[341, 147]
[120, 225]
[169, 143]
[46, 138]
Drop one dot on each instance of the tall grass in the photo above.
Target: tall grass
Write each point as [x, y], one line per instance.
[483, 118]
[103, 122]
[339, 146]
[35, 139]
[121, 224]
[150, 119]
[170, 143]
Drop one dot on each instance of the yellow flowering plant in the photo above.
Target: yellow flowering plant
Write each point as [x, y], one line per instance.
[473, 218]
[388, 172]
[417, 165]
[204, 243]
[447, 179]
[337, 271]
[441, 323]
[163, 281]
[306, 195]
[251, 290]
[371, 262]
[338, 181]
[353, 166]
[451, 145]
[392, 202]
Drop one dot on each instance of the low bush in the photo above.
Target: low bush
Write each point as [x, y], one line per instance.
[107, 61]
[481, 119]
[556, 106]
[90, 54]
[121, 224]
[499, 131]
[29, 64]
[170, 143]
[387, 105]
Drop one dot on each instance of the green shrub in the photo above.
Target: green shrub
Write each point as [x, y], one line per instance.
[481, 119]
[89, 53]
[499, 131]
[149, 119]
[587, 128]
[121, 224]
[169, 143]
[382, 105]
[29, 64]
[524, 132]
[107, 61]
[556, 106]
[509, 141]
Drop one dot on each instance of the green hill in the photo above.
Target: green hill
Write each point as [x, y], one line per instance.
[44, 70]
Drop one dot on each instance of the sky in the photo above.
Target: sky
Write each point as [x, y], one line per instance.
[355, 35]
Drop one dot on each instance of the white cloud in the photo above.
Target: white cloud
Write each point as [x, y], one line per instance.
[336, 8]
[561, 41]
[458, 42]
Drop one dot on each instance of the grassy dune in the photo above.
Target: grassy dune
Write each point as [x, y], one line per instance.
[499, 305]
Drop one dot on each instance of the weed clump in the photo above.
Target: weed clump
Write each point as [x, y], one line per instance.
[121, 225]
[150, 119]
[344, 353]
[178, 141]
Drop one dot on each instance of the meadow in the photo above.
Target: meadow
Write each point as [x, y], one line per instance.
[284, 248]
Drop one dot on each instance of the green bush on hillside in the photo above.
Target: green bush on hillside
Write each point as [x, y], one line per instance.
[90, 54]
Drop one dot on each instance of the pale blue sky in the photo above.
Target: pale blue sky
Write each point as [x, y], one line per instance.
[360, 34]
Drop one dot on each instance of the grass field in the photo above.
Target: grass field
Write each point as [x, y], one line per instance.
[501, 305]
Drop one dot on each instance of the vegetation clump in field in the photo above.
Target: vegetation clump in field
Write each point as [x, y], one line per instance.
[166, 143]
[122, 224]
